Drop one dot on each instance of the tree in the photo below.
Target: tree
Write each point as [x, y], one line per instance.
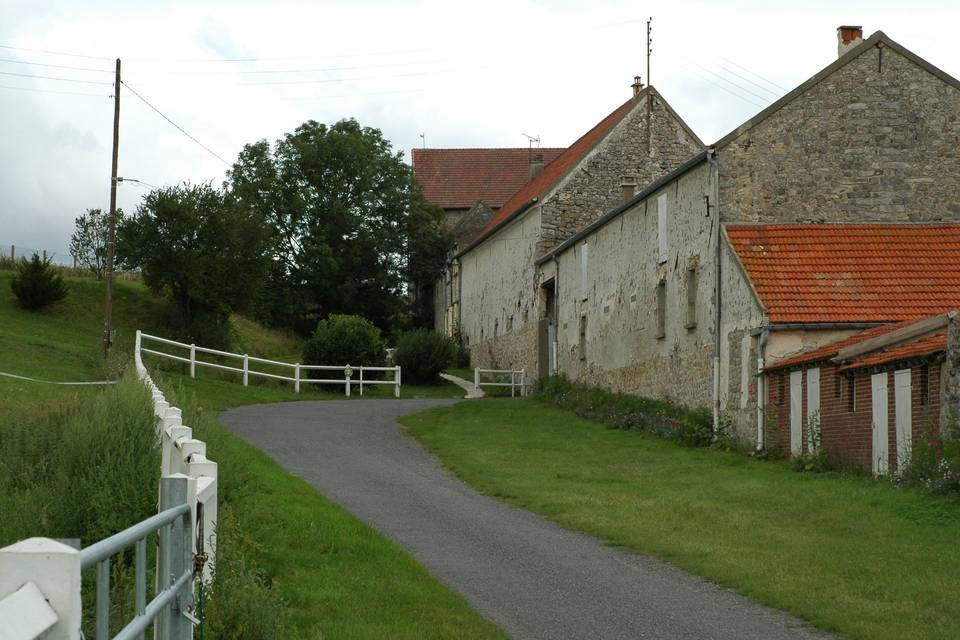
[88, 244]
[195, 243]
[345, 216]
[37, 284]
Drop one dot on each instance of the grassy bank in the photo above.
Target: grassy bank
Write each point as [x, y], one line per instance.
[849, 554]
[328, 574]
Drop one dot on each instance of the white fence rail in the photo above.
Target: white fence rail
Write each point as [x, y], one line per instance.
[518, 379]
[298, 370]
[40, 578]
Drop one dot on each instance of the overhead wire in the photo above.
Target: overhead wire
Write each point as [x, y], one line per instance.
[54, 53]
[55, 66]
[178, 127]
[69, 93]
[754, 73]
[30, 75]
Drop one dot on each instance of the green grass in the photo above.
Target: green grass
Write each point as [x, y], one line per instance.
[846, 553]
[293, 565]
[337, 576]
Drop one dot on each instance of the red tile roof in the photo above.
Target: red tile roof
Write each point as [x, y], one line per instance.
[459, 178]
[556, 170]
[808, 273]
[917, 349]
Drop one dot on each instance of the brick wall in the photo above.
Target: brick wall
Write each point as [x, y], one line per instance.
[847, 436]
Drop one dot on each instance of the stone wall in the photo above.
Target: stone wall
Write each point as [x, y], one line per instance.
[631, 151]
[950, 383]
[619, 294]
[877, 140]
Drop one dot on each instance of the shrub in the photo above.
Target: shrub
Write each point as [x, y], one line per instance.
[342, 340]
[622, 411]
[37, 284]
[934, 465]
[422, 354]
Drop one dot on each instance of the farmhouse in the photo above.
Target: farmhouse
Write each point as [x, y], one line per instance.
[492, 297]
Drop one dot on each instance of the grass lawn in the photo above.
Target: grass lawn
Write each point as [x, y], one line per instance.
[846, 553]
[292, 554]
[339, 578]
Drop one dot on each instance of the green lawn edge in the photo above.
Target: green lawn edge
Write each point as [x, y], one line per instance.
[848, 554]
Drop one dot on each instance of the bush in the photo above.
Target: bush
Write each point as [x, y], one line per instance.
[342, 340]
[37, 284]
[934, 465]
[423, 354]
[622, 411]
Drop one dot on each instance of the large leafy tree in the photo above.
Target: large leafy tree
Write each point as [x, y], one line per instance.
[350, 230]
[195, 243]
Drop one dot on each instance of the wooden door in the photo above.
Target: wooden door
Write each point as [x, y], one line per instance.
[796, 412]
[881, 435]
[813, 408]
[903, 416]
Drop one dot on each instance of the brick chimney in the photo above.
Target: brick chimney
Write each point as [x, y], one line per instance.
[637, 85]
[848, 36]
[536, 165]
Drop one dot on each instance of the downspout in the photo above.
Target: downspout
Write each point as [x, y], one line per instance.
[712, 161]
[459, 297]
[556, 317]
[761, 388]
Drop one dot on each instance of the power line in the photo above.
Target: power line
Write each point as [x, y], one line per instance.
[754, 73]
[178, 127]
[138, 183]
[69, 93]
[736, 95]
[54, 66]
[54, 53]
[756, 84]
[741, 87]
[30, 75]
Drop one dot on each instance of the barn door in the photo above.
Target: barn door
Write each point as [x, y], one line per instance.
[796, 412]
[903, 416]
[881, 437]
[813, 408]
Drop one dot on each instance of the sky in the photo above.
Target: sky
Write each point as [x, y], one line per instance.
[439, 73]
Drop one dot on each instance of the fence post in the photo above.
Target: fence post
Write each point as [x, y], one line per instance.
[296, 378]
[361, 381]
[53, 569]
[523, 383]
[137, 341]
[396, 380]
[513, 383]
[476, 378]
[246, 369]
[193, 360]
[345, 375]
[174, 558]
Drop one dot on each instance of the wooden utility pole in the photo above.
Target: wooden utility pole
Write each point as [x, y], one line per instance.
[112, 233]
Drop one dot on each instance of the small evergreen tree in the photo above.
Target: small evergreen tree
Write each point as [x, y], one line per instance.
[37, 284]
[341, 340]
[422, 354]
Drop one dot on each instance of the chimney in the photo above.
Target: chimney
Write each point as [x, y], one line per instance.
[848, 36]
[536, 165]
[637, 85]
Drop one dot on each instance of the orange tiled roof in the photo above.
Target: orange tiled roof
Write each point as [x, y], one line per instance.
[808, 273]
[459, 178]
[556, 170]
[916, 348]
[926, 346]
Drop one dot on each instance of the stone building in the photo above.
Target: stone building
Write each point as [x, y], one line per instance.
[654, 298]
[491, 295]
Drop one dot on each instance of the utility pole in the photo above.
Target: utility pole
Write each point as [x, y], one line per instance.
[649, 89]
[112, 233]
[649, 48]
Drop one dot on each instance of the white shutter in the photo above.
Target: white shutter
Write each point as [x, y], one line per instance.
[796, 412]
[813, 404]
[903, 414]
[662, 229]
[881, 437]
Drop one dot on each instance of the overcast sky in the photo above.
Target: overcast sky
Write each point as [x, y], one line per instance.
[463, 74]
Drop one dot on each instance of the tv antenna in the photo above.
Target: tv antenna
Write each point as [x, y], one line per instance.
[530, 141]
[649, 46]
[423, 139]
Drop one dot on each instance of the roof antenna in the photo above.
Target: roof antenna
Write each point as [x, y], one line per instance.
[649, 47]
[530, 141]
[423, 138]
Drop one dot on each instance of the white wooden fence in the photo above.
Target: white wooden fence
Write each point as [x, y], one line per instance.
[40, 578]
[518, 379]
[298, 378]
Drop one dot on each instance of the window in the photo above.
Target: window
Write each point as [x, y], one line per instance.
[583, 337]
[661, 309]
[584, 264]
[851, 394]
[691, 297]
[925, 384]
[662, 229]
